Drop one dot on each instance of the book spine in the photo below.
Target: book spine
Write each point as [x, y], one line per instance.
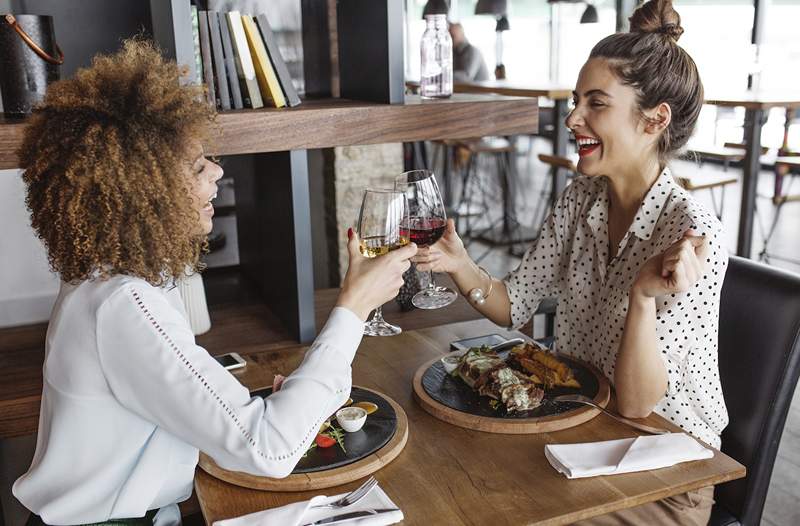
[267, 79]
[277, 61]
[205, 50]
[219, 60]
[198, 61]
[246, 61]
[230, 62]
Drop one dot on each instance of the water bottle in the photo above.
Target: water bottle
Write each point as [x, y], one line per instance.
[436, 53]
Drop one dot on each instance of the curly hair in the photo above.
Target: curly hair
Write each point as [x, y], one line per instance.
[106, 163]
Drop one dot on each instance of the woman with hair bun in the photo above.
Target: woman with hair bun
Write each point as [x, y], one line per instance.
[636, 264]
[120, 192]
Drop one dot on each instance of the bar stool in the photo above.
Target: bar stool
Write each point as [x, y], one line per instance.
[785, 166]
[555, 162]
[505, 230]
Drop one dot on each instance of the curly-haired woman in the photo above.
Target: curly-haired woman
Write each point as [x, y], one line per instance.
[120, 193]
[636, 264]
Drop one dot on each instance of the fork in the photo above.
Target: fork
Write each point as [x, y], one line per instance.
[581, 399]
[352, 497]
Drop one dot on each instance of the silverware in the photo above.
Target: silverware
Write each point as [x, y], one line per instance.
[581, 399]
[352, 515]
[497, 347]
[352, 497]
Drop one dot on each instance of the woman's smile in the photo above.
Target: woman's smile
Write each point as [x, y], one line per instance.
[587, 145]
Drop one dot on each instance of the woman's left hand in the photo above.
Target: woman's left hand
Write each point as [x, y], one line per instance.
[676, 270]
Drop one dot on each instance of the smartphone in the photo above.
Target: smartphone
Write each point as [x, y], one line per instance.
[231, 361]
[489, 340]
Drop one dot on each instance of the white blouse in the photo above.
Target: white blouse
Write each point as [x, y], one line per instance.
[570, 261]
[129, 399]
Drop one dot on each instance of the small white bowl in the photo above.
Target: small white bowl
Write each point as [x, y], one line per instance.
[351, 418]
[450, 361]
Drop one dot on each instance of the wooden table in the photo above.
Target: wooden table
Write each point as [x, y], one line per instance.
[451, 475]
[757, 106]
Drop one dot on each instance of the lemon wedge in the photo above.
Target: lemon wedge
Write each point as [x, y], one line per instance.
[369, 407]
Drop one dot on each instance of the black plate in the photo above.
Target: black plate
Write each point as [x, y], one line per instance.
[454, 393]
[377, 431]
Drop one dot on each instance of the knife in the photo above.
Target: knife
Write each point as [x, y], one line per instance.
[352, 515]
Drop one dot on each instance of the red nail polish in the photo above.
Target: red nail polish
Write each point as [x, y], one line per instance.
[349, 233]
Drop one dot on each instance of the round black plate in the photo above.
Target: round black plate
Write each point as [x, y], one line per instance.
[377, 431]
[454, 393]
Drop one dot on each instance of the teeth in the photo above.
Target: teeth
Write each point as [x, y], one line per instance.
[587, 142]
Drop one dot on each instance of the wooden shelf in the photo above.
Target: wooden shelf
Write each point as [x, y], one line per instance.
[327, 123]
[239, 323]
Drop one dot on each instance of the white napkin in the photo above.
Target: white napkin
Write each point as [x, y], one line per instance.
[624, 456]
[299, 513]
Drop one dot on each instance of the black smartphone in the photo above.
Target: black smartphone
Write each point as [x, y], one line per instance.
[489, 340]
[231, 361]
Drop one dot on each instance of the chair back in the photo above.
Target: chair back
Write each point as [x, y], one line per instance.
[759, 363]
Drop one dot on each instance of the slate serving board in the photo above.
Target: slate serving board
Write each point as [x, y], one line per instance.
[450, 399]
[377, 431]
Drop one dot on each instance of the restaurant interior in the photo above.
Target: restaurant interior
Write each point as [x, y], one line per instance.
[351, 77]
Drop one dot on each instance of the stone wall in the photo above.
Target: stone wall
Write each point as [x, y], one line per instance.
[357, 168]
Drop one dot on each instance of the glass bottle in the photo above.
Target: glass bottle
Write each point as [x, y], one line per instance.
[436, 52]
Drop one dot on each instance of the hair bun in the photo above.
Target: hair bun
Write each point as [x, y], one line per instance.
[657, 16]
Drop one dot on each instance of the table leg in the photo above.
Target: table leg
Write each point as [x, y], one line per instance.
[560, 137]
[754, 120]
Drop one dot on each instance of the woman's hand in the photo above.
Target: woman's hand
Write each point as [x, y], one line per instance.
[676, 270]
[371, 282]
[446, 255]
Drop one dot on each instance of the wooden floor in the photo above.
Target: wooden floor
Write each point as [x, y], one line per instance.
[783, 500]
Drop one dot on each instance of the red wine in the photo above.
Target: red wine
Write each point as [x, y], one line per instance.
[426, 231]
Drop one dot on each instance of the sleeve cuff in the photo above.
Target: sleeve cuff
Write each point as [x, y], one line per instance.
[343, 330]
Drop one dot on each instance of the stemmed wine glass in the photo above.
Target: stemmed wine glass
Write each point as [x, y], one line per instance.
[427, 224]
[382, 227]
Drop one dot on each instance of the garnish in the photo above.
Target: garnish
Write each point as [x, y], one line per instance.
[331, 436]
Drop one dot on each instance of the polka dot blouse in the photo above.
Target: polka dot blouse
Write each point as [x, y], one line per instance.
[570, 261]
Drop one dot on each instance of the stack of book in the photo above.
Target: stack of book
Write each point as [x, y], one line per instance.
[239, 61]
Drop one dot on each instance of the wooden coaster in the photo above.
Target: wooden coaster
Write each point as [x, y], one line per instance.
[320, 479]
[520, 426]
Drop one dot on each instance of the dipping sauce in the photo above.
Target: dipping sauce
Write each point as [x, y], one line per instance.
[450, 362]
[351, 418]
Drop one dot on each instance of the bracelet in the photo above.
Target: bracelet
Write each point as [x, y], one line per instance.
[476, 295]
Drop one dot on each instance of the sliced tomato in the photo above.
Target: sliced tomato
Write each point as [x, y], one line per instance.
[324, 440]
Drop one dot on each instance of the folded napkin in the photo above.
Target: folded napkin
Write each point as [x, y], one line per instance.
[624, 456]
[300, 513]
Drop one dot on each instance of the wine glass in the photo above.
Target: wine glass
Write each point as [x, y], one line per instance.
[382, 227]
[427, 222]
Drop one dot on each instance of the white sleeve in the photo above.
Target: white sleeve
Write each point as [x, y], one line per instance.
[154, 368]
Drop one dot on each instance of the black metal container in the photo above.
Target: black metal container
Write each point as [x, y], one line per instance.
[24, 74]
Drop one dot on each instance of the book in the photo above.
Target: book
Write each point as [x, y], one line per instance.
[244, 60]
[267, 79]
[219, 60]
[205, 51]
[292, 99]
[230, 62]
[198, 61]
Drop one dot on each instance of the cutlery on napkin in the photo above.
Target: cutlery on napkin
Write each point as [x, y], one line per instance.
[299, 513]
[627, 455]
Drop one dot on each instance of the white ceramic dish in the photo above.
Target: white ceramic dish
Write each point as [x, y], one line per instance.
[351, 418]
[450, 360]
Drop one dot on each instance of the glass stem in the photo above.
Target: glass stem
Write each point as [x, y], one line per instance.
[431, 283]
[377, 317]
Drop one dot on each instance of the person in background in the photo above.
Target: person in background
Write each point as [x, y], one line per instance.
[636, 263]
[468, 63]
[120, 192]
